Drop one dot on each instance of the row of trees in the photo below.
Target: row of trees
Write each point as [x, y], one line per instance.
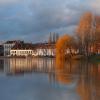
[88, 33]
[86, 37]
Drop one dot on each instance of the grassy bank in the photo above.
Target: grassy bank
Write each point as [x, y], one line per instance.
[95, 58]
[92, 58]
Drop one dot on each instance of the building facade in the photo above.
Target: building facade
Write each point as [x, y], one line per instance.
[1, 50]
[46, 50]
[8, 45]
[21, 52]
[22, 49]
[27, 49]
[97, 48]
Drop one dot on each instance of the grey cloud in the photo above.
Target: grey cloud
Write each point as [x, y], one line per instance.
[34, 19]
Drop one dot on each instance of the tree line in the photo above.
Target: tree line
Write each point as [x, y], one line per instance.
[85, 39]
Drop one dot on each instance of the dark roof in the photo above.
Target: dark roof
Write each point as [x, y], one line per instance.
[33, 46]
[23, 46]
[14, 41]
[45, 45]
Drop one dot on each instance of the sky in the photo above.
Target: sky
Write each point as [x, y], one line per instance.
[33, 20]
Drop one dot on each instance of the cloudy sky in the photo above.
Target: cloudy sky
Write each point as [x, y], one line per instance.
[33, 20]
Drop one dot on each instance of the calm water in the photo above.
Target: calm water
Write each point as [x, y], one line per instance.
[45, 79]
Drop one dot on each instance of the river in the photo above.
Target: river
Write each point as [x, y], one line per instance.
[44, 79]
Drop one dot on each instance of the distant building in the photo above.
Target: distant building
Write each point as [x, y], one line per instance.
[97, 48]
[26, 49]
[39, 49]
[45, 50]
[8, 45]
[1, 50]
[22, 49]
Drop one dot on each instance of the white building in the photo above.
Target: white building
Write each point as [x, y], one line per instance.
[45, 52]
[98, 48]
[8, 45]
[33, 50]
[22, 49]
[21, 52]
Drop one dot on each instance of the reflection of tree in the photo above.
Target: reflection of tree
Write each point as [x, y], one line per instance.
[87, 73]
[89, 83]
[64, 71]
[60, 71]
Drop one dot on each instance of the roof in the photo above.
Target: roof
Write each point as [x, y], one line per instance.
[44, 45]
[25, 46]
[14, 41]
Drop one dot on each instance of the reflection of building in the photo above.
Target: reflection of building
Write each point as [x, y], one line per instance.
[20, 65]
[8, 45]
[82, 77]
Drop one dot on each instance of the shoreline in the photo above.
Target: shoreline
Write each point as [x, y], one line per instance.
[75, 57]
[24, 57]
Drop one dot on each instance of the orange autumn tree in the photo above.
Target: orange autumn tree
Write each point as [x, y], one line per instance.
[85, 32]
[97, 31]
[63, 43]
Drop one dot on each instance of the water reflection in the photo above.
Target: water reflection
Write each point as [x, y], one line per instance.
[85, 73]
[19, 66]
[89, 81]
[82, 77]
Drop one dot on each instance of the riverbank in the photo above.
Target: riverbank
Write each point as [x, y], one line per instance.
[74, 57]
[4, 57]
[92, 58]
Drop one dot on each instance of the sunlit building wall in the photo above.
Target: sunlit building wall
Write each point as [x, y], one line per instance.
[9, 45]
[21, 52]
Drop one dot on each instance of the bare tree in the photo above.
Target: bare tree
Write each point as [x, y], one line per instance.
[85, 33]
